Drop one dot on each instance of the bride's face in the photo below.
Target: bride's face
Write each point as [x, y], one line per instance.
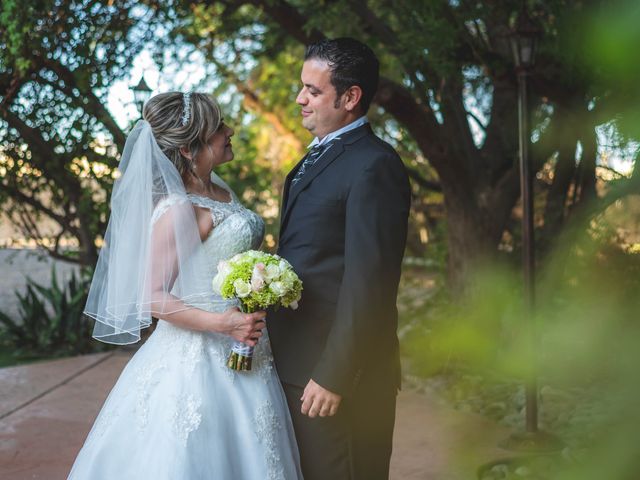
[216, 152]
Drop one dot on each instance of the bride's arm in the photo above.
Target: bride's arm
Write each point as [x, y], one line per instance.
[163, 271]
[244, 327]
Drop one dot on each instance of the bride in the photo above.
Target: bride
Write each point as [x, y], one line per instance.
[177, 411]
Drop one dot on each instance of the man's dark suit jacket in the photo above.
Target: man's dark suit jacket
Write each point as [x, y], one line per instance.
[343, 229]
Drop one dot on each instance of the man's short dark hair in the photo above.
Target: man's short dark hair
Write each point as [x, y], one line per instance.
[351, 63]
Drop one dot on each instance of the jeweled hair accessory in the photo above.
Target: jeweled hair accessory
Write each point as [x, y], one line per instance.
[186, 113]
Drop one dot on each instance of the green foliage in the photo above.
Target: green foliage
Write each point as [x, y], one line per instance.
[478, 353]
[60, 144]
[448, 62]
[607, 43]
[51, 321]
[18, 20]
[450, 66]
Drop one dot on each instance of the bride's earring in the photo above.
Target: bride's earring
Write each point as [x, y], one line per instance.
[192, 167]
[189, 163]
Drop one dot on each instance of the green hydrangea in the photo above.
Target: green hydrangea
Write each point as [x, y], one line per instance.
[258, 280]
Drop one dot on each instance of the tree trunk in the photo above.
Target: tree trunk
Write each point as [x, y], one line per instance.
[555, 208]
[472, 236]
[588, 166]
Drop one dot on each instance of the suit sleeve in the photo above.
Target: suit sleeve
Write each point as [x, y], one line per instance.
[377, 210]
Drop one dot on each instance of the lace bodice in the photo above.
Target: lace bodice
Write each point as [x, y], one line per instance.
[235, 229]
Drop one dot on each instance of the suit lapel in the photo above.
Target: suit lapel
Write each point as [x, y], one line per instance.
[287, 188]
[290, 194]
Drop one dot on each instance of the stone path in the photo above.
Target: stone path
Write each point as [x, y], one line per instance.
[46, 411]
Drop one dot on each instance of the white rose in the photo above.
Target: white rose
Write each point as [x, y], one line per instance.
[278, 288]
[224, 268]
[257, 277]
[242, 288]
[283, 265]
[257, 283]
[217, 283]
[271, 272]
[293, 305]
[258, 270]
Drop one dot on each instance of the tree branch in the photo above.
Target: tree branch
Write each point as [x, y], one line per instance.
[287, 16]
[477, 120]
[61, 220]
[254, 102]
[418, 118]
[31, 135]
[501, 141]
[390, 39]
[93, 103]
[458, 130]
[423, 182]
[589, 143]
[10, 88]
[473, 49]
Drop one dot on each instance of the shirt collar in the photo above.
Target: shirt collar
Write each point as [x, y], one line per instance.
[333, 135]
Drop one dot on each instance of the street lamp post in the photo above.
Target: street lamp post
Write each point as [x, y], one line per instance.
[524, 39]
[141, 93]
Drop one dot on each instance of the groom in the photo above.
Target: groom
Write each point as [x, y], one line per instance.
[343, 228]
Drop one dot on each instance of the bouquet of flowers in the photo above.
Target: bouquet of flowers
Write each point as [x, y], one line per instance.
[258, 280]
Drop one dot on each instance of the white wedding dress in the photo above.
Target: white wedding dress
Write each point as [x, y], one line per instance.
[178, 413]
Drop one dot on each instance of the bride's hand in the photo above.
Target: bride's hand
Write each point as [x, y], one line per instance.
[244, 327]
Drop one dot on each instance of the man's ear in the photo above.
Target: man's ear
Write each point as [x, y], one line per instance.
[352, 96]
[185, 153]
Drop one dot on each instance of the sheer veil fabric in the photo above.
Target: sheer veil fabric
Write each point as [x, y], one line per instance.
[149, 261]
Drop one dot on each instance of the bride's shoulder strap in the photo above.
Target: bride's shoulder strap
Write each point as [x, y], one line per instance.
[165, 204]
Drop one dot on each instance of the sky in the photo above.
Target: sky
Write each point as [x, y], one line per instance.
[120, 100]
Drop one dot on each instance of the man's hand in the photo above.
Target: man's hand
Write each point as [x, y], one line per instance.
[318, 401]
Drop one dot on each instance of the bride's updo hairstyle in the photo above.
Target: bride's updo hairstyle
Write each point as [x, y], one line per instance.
[182, 120]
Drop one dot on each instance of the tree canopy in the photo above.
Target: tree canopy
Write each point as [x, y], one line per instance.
[447, 102]
[448, 98]
[57, 60]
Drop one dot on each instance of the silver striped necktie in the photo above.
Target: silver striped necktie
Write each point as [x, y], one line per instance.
[312, 157]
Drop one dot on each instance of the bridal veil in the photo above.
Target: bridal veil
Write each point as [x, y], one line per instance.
[149, 260]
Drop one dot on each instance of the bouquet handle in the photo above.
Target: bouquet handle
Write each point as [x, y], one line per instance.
[240, 357]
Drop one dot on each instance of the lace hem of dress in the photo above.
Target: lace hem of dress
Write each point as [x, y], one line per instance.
[267, 424]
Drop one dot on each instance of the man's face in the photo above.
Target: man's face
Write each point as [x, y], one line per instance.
[318, 100]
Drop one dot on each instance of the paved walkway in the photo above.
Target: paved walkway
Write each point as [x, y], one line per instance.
[47, 409]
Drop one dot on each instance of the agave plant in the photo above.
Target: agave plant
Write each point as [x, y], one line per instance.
[50, 320]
